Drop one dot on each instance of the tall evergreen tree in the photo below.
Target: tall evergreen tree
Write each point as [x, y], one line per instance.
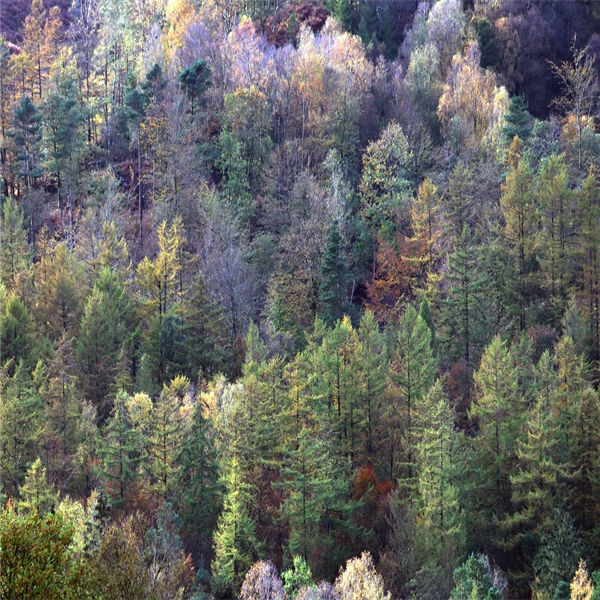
[438, 464]
[464, 312]
[27, 134]
[555, 199]
[119, 450]
[412, 373]
[197, 478]
[334, 273]
[104, 340]
[498, 411]
[14, 250]
[518, 120]
[235, 542]
[518, 210]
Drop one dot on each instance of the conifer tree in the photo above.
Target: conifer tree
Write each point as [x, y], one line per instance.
[537, 483]
[581, 585]
[26, 134]
[235, 542]
[16, 340]
[197, 479]
[464, 310]
[412, 373]
[203, 331]
[333, 290]
[555, 199]
[517, 205]
[119, 449]
[21, 413]
[169, 420]
[103, 340]
[518, 120]
[14, 250]
[317, 504]
[498, 411]
[63, 142]
[588, 211]
[371, 366]
[37, 495]
[59, 291]
[195, 81]
[438, 456]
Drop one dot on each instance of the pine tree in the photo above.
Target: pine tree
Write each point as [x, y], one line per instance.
[235, 542]
[169, 421]
[518, 120]
[588, 213]
[14, 250]
[37, 495]
[104, 340]
[518, 209]
[333, 289]
[412, 373]
[21, 413]
[119, 449]
[464, 310]
[63, 142]
[497, 409]
[371, 367]
[438, 456]
[26, 134]
[197, 478]
[195, 81]
[555, 199]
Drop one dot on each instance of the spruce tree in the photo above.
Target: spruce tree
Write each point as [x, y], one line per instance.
[518, 209]
[439, 468]
[498, 413]
[334, 278]
[26, 134]
[464, 312]
[197, 479]
[104, 339]
[119, 450]
[14, 250]
[235, 542]
[37, 496]
[556, 203]
[412, 373]
[518, 120]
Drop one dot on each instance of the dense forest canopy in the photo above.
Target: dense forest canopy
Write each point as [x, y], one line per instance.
[300, 300]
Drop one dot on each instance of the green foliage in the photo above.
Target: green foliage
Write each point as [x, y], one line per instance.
[475, 579]
[195, 81]
[36, 559]
[14, 250]
[235, 543]
[333, 296]
[518, 120]
[298, 576]
[27, 135]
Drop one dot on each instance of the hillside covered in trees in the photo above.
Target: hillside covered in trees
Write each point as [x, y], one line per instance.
[300, 300]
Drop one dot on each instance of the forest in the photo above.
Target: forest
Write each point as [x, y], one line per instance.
[300, 300]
